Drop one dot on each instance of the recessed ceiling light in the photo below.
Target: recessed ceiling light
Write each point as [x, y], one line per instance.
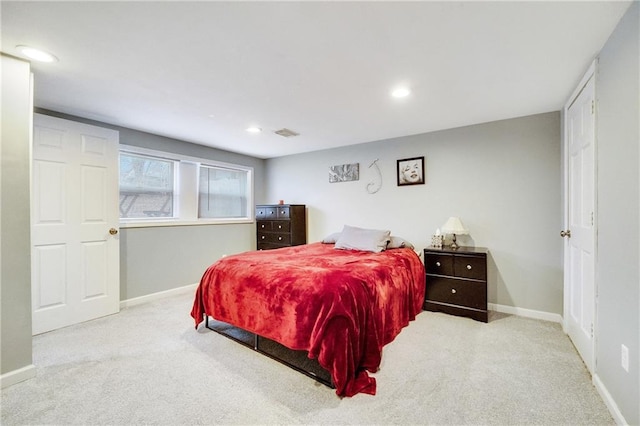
[400, 92]
[36, 54]
[254, 129]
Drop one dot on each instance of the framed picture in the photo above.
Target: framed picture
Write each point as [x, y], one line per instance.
[411, 171]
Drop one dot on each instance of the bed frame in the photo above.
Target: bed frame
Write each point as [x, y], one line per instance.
[297, 360]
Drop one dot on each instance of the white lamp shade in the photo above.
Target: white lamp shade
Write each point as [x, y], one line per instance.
[454, 226]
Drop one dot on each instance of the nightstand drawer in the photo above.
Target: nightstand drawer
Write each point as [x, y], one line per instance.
[470, 267]
[440, 264]
[457, 292]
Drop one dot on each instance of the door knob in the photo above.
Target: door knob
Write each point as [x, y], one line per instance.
[113, 231]
[566, 233]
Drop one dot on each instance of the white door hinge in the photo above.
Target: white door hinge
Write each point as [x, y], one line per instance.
[593, 106]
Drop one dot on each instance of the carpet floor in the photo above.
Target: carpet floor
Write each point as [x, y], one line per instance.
[149, 365]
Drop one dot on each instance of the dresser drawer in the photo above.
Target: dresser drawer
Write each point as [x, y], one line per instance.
[269, 246]
[276, 226]
[470, 267]
[283, 213]
[271, 212]
[457, 292]
[281, 226]
[274, 237]
[261, 213]
[441, 264]
[265, 225]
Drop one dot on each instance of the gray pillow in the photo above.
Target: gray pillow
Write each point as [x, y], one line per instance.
[331, 238]
[353, 238]
[397, 242]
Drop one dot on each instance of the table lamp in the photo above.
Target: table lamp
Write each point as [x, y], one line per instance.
[454, 226]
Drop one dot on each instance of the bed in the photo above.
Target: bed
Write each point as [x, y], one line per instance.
[340, 307]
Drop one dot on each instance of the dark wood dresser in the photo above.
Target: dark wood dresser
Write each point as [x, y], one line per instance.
[280, 225]
[457, 281]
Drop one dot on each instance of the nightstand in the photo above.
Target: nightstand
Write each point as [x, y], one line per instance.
[457, 281]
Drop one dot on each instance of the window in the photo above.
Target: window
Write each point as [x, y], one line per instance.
[158, 188]
[146, 186]
[223, 193]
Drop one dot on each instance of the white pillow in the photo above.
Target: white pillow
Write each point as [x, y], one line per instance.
[397, 242]
[353, 238]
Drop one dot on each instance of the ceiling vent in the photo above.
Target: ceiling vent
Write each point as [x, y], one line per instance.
[286, 133]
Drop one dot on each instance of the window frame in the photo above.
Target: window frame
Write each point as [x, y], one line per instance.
[186, 187]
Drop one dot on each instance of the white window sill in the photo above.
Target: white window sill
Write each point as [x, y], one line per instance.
[178, 222]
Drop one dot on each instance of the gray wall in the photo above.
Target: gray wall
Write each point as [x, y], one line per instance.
[158, 259]
[15, 226]
[155, 259]
[502, 179]
[618, 212]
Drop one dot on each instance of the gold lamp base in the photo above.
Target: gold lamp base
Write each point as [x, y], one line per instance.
[454, 245]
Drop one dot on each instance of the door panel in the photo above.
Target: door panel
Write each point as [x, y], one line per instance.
[50, 193]
[75, 202]
[95, 272]
[49, 278]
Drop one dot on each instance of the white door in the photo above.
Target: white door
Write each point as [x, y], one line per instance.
[579, 234]
[75, 257]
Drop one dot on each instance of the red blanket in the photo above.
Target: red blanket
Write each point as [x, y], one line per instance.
[341, 306]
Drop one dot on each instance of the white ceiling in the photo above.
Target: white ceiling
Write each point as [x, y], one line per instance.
[205, 71]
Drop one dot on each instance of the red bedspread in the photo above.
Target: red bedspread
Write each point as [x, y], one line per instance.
[341, 306]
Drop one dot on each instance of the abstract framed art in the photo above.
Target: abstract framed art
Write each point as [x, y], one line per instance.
[344, 173]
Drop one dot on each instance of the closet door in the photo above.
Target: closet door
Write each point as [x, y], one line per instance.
[75, 246]
[579, 232]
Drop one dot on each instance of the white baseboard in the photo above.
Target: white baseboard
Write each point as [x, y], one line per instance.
[528, 313]
[17, 376]
[608, 401]
[159, 295]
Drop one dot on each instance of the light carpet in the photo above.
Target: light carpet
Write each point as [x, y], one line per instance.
[148, 365]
